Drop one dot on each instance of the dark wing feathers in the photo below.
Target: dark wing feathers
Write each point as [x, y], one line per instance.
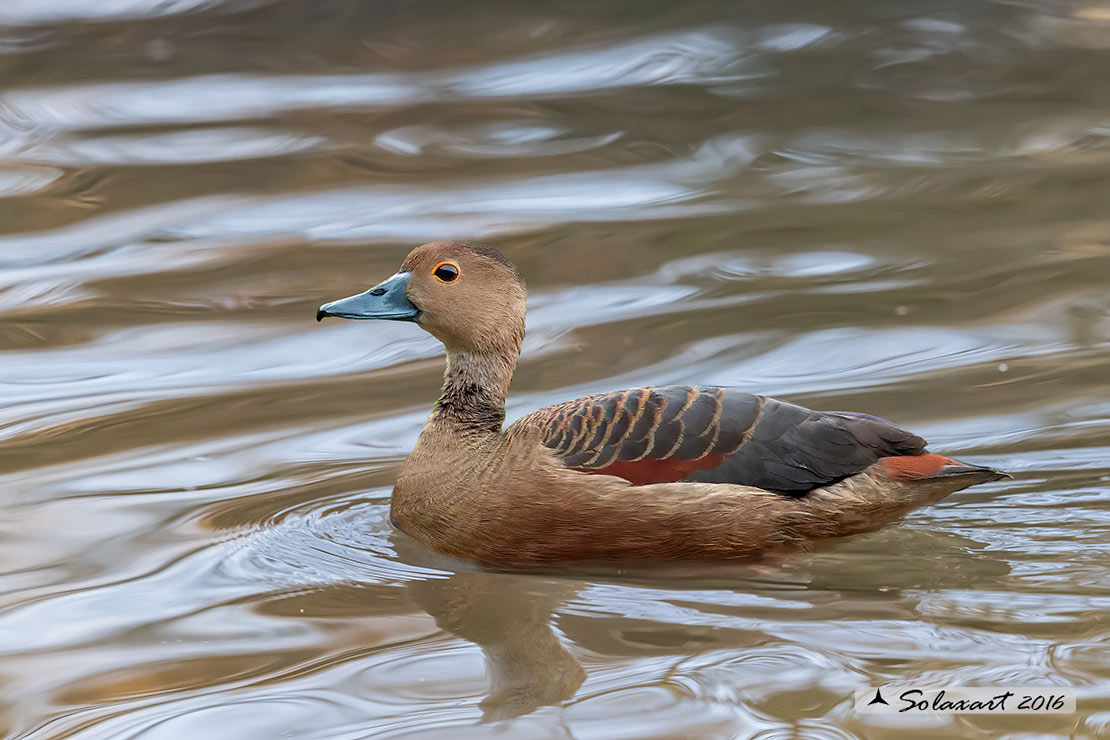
[716, 435]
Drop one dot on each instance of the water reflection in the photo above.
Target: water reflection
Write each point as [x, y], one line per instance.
[509, 617]
[706, 56]
[532, 629]
[19, 12]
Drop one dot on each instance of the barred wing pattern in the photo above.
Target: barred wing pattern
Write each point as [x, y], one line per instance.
[716, 435]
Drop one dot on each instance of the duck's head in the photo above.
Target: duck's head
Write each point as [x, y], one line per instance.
[468, 296]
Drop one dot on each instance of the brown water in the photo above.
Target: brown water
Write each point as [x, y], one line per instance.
[894, 207]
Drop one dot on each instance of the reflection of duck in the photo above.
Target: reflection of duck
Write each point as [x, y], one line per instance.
[668, 473]
[527, 664]
[517, 621]
[540, 636]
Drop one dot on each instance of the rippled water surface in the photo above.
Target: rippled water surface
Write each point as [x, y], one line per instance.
[891, 206]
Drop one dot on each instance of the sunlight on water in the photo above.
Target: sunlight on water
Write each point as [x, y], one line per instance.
[896, 208]
[17, 12]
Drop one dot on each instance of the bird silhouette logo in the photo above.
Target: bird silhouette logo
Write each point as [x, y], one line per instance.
[878, 699]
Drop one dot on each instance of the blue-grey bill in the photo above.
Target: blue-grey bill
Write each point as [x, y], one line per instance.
[386, 300]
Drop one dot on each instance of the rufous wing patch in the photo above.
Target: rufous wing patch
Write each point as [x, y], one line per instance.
[666, 470]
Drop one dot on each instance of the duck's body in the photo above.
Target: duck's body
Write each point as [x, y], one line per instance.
[668, 473]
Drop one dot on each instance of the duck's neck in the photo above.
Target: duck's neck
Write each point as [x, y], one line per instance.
[475, 385]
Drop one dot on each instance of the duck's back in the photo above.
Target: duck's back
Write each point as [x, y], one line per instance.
[716, 435]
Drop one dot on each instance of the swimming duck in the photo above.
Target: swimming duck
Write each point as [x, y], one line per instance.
[641, 474]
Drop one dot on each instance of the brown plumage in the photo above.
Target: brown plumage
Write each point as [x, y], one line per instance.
[669, 473]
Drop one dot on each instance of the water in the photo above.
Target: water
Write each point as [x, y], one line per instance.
[893, 207]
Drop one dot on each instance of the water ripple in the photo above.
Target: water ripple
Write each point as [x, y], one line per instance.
[701, 56]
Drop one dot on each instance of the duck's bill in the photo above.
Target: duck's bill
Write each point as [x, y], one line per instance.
[386, 300]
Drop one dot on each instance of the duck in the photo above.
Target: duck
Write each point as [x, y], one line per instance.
[638, 475]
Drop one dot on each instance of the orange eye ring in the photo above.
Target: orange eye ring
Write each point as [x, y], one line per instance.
[446, 272]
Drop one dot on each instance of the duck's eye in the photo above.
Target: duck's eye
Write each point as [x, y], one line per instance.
[446, 272]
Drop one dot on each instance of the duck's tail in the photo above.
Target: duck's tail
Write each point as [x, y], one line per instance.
[888, 490]
[929, 467]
